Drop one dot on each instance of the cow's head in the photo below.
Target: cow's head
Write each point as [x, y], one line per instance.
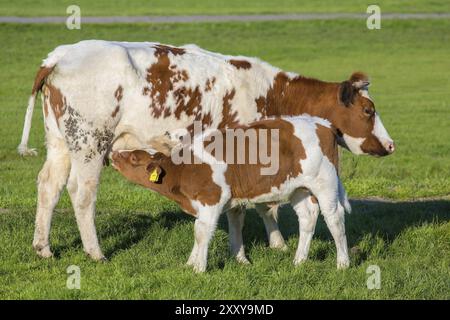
[138, 165]
[359, 126]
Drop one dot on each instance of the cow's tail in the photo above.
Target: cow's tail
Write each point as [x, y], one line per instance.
[343, 198]
[41, 75]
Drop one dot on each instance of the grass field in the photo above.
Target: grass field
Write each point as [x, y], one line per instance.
[211, 7]
[148, 239]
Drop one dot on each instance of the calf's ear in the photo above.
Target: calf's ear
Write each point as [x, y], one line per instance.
[155, 172]
[134, 159]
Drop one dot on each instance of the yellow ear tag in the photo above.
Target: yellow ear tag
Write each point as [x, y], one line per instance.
[154, 176]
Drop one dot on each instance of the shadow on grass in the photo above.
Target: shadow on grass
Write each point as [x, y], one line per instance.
[121, 231]
[128, 230]
[368, 218]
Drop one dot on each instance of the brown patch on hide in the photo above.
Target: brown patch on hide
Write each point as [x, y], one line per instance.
[240, 64]
[229, 119]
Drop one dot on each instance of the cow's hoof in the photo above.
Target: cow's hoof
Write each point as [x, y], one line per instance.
[299, 260]
[97, 257]
[44, 252]
[343, 264]
[199, 268]
[242, 259]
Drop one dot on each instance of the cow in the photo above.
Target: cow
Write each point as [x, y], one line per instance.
[306, 150]
[100, 96]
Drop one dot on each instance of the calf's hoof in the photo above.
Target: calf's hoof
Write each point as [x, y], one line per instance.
[277, 242]
[190, 262]
[279, 246]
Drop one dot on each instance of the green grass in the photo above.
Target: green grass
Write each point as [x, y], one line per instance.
[410, 242]
[148, 239]
[210, 7]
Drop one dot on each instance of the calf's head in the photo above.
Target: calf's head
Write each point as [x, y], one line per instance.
[359, 126]
[138, 165]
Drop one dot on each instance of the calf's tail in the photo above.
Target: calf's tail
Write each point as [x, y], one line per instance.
[343, 198]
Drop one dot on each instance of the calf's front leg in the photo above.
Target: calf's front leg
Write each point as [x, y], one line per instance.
[204, 228]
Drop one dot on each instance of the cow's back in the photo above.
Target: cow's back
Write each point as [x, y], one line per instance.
[144, 89]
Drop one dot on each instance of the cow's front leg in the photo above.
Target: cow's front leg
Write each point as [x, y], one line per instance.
[236, 217]
[269, 215]
[84, 197]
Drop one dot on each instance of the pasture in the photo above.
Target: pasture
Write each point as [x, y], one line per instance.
[401, 203]
[210, 7]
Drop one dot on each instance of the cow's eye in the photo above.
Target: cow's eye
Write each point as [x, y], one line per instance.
[369, 111]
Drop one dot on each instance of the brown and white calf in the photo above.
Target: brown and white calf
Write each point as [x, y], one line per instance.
[307, 153]
[103, 95]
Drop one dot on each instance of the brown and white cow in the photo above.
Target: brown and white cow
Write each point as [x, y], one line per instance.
[306, 149]
[103, 95]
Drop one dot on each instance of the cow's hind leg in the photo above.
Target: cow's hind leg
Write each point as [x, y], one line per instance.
[82, 187]
[269, 215]
[51, 181]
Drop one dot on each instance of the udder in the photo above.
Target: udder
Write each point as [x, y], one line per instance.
[127, 141]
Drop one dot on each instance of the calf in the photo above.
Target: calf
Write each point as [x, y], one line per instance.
[307, 157]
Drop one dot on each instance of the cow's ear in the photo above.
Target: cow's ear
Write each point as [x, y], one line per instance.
[346, 93]
[360, 80]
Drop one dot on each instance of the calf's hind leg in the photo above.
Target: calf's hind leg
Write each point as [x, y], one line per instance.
[307, 212]
[334, 212]
[51, 181]
[268, 212]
